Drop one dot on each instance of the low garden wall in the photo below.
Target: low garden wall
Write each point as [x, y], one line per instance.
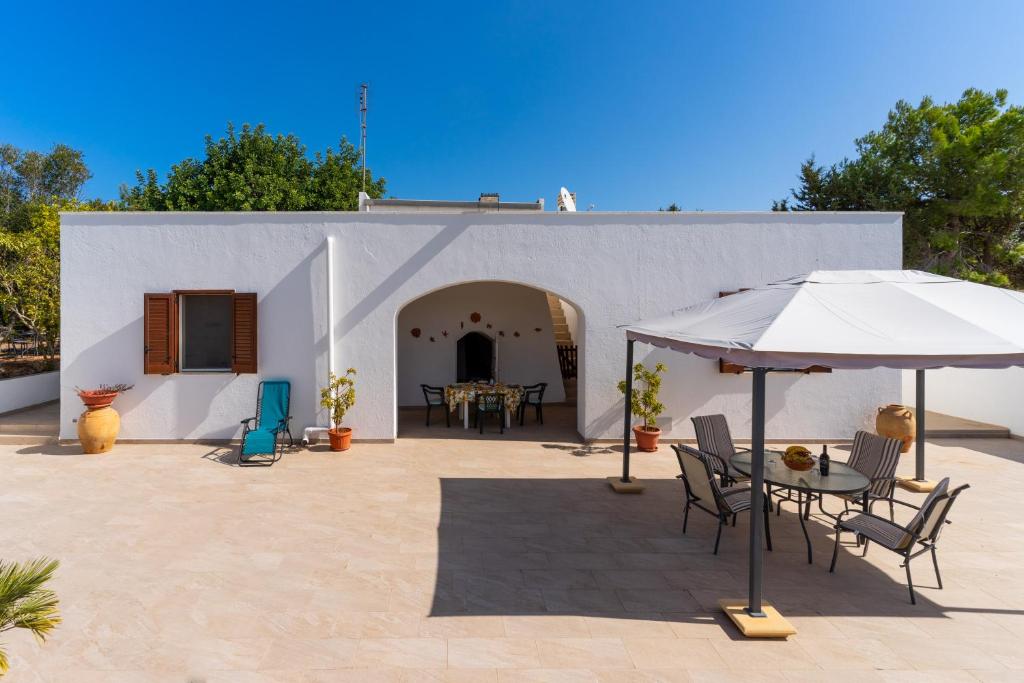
[992, 396]
[30, 390]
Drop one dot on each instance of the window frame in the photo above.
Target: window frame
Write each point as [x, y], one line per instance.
[182, 295]
[244, 334]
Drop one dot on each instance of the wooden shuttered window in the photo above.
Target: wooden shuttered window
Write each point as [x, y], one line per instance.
[243, 336]
[725, 367]
[161, 335]
[160, 322]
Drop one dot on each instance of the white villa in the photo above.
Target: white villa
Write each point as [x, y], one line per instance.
[195, 309]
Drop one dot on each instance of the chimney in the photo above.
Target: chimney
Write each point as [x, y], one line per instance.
[489, 200]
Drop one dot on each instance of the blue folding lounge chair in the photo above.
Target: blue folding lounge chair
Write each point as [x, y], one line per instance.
[262, 435]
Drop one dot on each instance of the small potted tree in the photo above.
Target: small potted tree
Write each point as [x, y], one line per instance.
[337, 397]
[645, 405]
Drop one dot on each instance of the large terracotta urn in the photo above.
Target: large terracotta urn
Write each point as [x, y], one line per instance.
[897, 422]
[98, 428]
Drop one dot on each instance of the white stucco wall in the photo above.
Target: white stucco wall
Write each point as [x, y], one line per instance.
[993, 396]
[507, 308]
[21, 392]
[613, 267]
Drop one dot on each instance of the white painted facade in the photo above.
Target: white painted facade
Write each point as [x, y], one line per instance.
[22, 392]
[515, 317]
[993, 396]
[613, 268]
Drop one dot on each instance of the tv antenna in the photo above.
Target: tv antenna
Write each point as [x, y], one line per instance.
[362, 127]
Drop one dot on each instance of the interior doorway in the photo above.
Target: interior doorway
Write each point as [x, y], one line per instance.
[475, 358]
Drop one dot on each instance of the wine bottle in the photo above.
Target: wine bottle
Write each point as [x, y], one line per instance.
[823, 461]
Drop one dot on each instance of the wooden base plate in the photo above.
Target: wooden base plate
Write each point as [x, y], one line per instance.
[620, 486]
[915, 486]
[772, 625]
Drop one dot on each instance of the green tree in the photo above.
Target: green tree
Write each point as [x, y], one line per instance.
[256, 171]
[955, 169]
[30, 269]
[24, 602]
[29, 176]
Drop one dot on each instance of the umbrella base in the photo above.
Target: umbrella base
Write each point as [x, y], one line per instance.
[772, 625]
[915, 486]
[620, 486]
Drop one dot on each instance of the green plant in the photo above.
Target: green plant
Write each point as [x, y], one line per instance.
[339, 395]
[646, 385]
[24, 603]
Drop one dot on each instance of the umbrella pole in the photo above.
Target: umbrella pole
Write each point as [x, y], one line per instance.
[754, 617]
[919, 405]
[756, 495]
[627, 484]
[629, 404]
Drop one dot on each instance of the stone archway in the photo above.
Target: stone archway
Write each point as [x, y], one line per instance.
[485, 330]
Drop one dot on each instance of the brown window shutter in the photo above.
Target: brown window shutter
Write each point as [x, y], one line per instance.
[243, 345]
[160, 323]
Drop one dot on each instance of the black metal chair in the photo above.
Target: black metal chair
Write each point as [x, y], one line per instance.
[713, 438]
[876, 457]
[434, 396]
[923, 529]
[703, 491]
[490, 403]
[533, 395]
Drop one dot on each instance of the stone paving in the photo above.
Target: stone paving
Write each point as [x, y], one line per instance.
[503, 559]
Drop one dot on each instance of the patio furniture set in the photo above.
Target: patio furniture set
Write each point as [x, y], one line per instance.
[716, 480]
[486, 398]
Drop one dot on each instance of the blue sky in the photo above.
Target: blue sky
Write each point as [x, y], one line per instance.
[633, 105]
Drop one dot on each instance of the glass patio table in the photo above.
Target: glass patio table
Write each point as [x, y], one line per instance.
[841, 479]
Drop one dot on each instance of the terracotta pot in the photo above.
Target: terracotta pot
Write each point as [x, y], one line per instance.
[97, 399]
[98, 428]
[646, 439]
[897, 422]
[341, 438]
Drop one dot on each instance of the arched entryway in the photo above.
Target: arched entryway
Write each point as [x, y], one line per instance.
[488, 331]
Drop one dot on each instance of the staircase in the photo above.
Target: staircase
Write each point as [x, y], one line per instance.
[563, 337]
[31, 426]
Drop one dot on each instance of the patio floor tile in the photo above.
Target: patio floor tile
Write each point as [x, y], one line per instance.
[467, 560]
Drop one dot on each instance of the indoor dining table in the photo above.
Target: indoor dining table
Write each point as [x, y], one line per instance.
[465, 393]
[841, 479]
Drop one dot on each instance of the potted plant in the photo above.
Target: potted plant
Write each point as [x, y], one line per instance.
[645, 405]
[99, 425]
[337, 397]
[103, 396]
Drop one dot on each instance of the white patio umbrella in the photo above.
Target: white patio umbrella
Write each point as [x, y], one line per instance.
[844, 319]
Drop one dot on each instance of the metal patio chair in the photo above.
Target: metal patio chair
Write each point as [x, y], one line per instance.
[713, 438]
[703, 491]
[490, 403]
[533, 395]
[923, 530]
[263, 435]
[876, 457]
[434, 396]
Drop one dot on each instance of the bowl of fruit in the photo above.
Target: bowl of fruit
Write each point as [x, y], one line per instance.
[798, 458]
